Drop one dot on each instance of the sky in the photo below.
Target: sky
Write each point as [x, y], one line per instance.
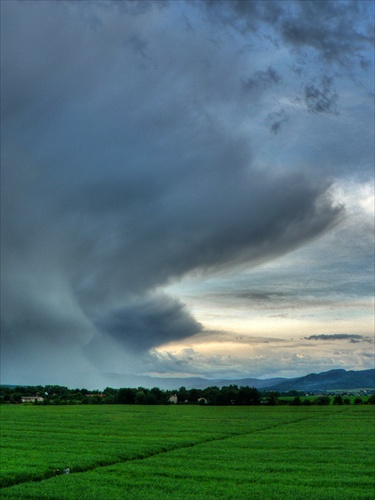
[187, 189]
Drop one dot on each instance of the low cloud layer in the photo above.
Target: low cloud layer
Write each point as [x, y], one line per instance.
[132, 159]
[341, 336]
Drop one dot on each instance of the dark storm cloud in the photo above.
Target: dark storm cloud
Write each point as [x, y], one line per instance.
[121, 194]
[150, 321]
[124, 167]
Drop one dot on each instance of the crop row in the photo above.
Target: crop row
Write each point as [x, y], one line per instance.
[36, 441]
[194, 452]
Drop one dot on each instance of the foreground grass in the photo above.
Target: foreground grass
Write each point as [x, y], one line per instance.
[189, 452]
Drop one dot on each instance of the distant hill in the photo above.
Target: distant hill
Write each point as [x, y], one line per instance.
[251, 382]
[331, 380]
[314, 382]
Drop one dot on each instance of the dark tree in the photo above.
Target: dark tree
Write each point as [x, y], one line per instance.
[182, 394]
[211, 393]
[140, 395]
[126, 396]
[272, 398]
[150, 399]
[306, 402]
[194, 395]
[296, 401]
[160, 396]
[322, 400]
[248, 396]
[228, 395]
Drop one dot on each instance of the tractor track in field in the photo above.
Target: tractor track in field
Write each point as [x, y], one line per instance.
[163, 450]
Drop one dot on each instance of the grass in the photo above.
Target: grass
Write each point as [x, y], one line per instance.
[143, 452]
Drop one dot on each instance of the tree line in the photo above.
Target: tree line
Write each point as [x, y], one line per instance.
[54, 394]
[227, 395]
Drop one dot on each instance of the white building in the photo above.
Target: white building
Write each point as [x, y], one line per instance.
[31, 399]
[173, 399]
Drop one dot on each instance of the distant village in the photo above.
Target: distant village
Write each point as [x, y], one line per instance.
[227, 395]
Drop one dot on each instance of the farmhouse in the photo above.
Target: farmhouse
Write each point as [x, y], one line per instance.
[31, 399]
[173, 399]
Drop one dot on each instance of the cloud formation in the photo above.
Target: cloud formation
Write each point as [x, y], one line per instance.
[148, 322]
[133, 157]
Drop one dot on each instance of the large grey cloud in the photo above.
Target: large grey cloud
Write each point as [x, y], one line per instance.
[149, 322]
[125, 166]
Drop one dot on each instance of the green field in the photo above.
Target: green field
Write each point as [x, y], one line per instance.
[158, 452]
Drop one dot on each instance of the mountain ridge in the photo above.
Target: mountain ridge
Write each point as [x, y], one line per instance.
[336, 379]
[313, 382]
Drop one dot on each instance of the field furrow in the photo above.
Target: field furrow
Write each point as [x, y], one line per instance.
[203, 451]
